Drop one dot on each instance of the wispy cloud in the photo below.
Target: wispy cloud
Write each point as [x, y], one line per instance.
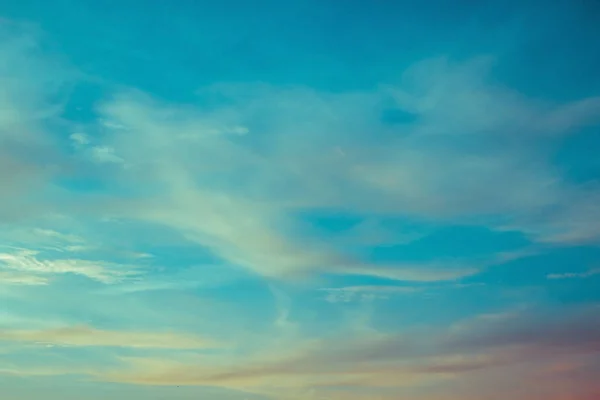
[415, 272]
[365, 293]
[570, 275]
[83, 336]
[234, 176]
[27, 261]
[391, 361]
[19, 278]
[222, 189]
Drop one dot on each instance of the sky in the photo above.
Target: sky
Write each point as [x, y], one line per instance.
[299, 200]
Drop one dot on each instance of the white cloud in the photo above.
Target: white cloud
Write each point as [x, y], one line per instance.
[80, 139]
[103, 154]
[18, 278]
[238, 195]
[234, 177]
[415, 272]
[572, 222]
[221, 193]
[19, 236]
[97, 154]
[571, 275]
[27, 261]
[349, 294]
[61, 237]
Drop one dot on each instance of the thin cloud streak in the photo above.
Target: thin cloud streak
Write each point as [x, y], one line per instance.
[83, 336]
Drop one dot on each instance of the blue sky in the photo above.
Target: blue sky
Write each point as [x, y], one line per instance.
[299, 200]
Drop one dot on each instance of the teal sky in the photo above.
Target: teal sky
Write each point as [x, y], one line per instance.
[320, 200]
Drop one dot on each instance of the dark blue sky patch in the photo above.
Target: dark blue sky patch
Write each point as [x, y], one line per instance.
[82, 102]
[394, 116]
[578, 156]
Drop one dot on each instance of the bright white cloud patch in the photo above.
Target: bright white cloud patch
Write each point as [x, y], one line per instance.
[27, 261]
